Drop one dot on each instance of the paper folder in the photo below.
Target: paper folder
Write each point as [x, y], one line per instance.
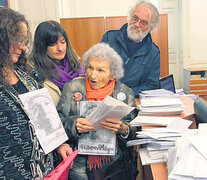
[62, 170]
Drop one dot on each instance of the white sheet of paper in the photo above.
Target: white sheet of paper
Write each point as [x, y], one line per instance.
[171, 161]
[138, 142]
[158, 136]
[199, 142]
[151, 102]
[191, 164]
[202, 128]
[151, 121]
[99, 142]
[45, 119]
[161, 130]
[158, 111]
[186, 163]
[179, 125]
[200, 167]
[109, 108]
[145, 158]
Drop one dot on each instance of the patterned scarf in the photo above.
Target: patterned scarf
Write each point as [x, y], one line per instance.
[96, 161]
[65, 74]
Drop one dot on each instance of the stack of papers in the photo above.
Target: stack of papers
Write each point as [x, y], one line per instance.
[159, 140]
[160, 102]
[191, 157]
[108, 108]
[157, 93]
[151, 121]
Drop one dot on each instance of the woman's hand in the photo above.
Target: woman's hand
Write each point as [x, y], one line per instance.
[115, 126]
[64, 150]
[83, 125]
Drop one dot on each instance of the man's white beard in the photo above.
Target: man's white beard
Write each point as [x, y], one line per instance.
[134, 35]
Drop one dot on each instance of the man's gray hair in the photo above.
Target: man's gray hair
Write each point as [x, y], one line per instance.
[153, 12]
[104, 52]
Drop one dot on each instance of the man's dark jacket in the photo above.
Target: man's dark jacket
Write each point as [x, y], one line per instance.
[142, 69]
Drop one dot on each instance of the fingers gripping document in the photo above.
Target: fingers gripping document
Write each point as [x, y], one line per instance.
[109, 108]
[101, 141]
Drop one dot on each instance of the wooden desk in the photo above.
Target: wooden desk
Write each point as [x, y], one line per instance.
[159, 171]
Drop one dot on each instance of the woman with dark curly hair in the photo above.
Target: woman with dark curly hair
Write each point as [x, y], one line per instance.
[21, 156]
[53, 56]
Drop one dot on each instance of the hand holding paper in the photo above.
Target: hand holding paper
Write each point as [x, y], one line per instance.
[83, 125]
[109, 108]
[114, 125]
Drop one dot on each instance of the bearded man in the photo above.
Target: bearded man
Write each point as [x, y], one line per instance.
[141, 57]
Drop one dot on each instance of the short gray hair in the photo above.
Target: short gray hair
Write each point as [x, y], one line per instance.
[153, 11]
[104, 52]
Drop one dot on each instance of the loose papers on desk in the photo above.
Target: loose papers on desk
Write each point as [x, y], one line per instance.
[159, 140]
[191, 160]
[151, 121]
[160, 102]
[157, 93]
[101, 141]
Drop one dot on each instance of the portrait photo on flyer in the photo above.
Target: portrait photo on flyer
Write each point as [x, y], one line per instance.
[44, 118]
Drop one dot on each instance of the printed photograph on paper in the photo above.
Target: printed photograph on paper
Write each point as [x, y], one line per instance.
[45, 119]
[86, 107]
[99, 142]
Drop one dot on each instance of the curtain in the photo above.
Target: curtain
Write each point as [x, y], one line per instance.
[37, 11]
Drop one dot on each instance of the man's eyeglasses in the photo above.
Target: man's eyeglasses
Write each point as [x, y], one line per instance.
[136, 19]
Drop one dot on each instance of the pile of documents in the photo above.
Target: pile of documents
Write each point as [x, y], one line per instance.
[157, 93]
[159, 140]
[191, 156]
[160, 102]
[108, 108]
[151, 121]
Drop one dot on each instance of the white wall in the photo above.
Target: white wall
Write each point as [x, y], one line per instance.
[173, 8]
[94, 8]
[37, 11]
[194, 33]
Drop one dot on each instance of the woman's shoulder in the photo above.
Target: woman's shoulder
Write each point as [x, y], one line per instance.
[77, 81]
[48, 83]
[77, 84]
[121, 86]
[53, 89]
[74, 87]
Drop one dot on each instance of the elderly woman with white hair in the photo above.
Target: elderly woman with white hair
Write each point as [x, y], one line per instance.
[104, 69]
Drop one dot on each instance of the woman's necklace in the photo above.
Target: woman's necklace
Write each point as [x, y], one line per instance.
[29, 82]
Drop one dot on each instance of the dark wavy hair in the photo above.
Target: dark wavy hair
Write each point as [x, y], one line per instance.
[46, 34]
[10, 35]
